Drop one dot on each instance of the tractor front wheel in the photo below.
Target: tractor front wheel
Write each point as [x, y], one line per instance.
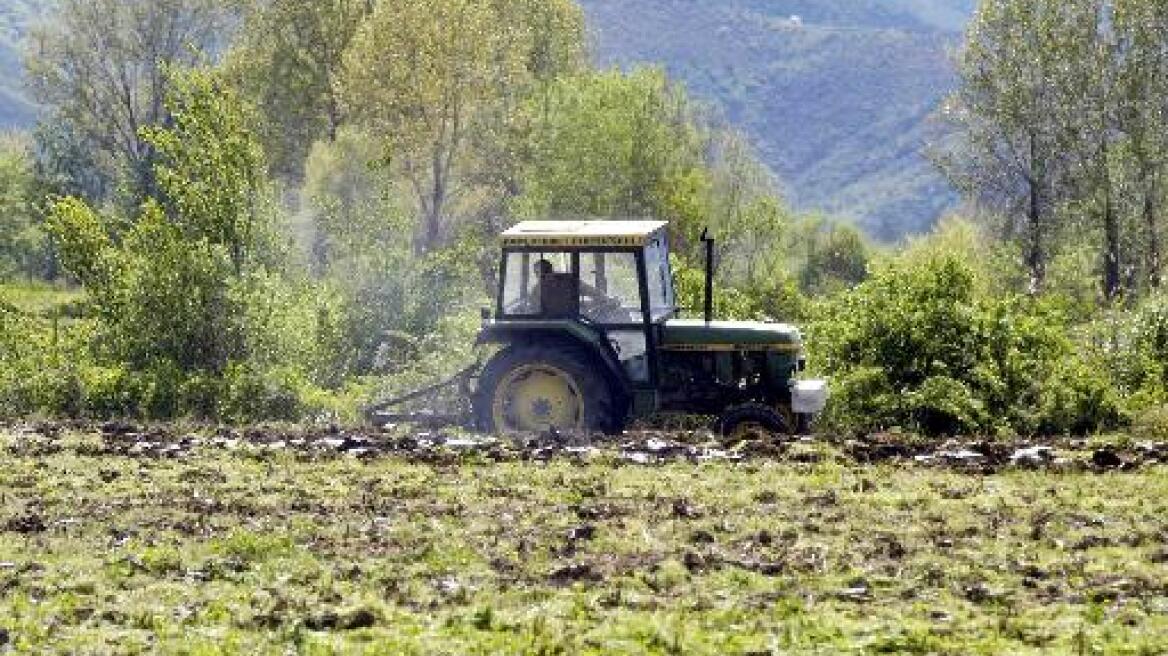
[535, 389]
[751, 419]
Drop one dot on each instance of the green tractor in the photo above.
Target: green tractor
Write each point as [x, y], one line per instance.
[590, 339]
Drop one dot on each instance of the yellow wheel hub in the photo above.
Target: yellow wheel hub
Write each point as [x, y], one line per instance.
[537, 397]
[747, 429]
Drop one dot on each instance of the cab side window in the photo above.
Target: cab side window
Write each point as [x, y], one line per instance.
[609, 290]
[661, 300]
[524, 293]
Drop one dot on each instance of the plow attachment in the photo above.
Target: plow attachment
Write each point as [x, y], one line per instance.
[443, 404]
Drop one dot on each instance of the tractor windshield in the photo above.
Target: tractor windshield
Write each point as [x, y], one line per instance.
[603, 287]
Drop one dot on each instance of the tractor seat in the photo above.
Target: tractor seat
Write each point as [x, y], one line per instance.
[559, 296]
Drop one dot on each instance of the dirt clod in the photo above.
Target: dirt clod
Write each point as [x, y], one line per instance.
[694, 561]
[701, 536]
[118, 428]
[683, 509]
[574, 572]
[979, 593]
[323, 621]
[26, 523]
[1106, 459]
[582, 532]
[361, 618]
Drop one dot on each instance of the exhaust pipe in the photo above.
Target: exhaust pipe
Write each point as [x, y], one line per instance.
[709, 305]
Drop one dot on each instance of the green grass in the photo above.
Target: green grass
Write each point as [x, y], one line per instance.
[40, 299]
[221, 552]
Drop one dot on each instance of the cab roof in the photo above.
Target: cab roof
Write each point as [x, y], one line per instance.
[582, 233]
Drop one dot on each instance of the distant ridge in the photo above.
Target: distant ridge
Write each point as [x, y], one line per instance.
[837, 101]
[16, 16]
[835, 94]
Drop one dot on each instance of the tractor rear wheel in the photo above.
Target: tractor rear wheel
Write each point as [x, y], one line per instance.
[749, 419]
[539, 388]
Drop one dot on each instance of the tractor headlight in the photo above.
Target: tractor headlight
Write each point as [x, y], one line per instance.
[808, 396]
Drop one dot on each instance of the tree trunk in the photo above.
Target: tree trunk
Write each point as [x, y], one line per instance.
[1151, 222]
[437, 205]
[1035, 243]
[334, 116]
[1111, 265]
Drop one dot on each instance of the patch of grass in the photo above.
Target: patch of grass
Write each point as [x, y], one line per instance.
[41, 299]
[221, 553]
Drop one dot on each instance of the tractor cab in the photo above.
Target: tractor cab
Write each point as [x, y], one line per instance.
[588, 321]
[612, 277]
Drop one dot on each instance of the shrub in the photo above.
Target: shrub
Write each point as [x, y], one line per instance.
[1152, 424]
[729, 303]
[251, 395]
[1132, 344]
[924, 345]
[110, 391]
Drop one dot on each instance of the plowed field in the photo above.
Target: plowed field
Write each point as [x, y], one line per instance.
[131, 539]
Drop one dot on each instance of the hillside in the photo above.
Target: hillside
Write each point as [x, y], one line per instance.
[16, 110]
[837, 102]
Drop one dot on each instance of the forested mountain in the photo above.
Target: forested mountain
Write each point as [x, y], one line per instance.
[836, 95]
[15, 16]
[837, 102]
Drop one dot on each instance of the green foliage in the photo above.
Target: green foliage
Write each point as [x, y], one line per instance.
[101, 67]
[43, 356]
[837, 258]
[923, 345]
[1152, 424]
[1133, 344]
[287, 59]
[23, 244]
[168, 286]
[189, 320]
[442, 85]
[210, 167]
[617, 145]
[729, 302]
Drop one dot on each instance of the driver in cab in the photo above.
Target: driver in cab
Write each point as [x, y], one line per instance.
[544, 269]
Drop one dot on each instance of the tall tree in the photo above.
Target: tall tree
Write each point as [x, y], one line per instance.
[431, 77]
[617, 145]
[101, 64]
[1089, 125]
[170, 288]
[1062, 111]
[288, 61]
[1006, 111]
[22, 243]
[1142, 79]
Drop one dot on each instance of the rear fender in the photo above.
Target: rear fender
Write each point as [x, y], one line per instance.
[572, 334]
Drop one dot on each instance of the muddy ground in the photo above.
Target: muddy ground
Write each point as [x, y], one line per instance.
[126, 538]
[409, 444]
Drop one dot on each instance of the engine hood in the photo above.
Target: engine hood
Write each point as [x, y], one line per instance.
[697, 335]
